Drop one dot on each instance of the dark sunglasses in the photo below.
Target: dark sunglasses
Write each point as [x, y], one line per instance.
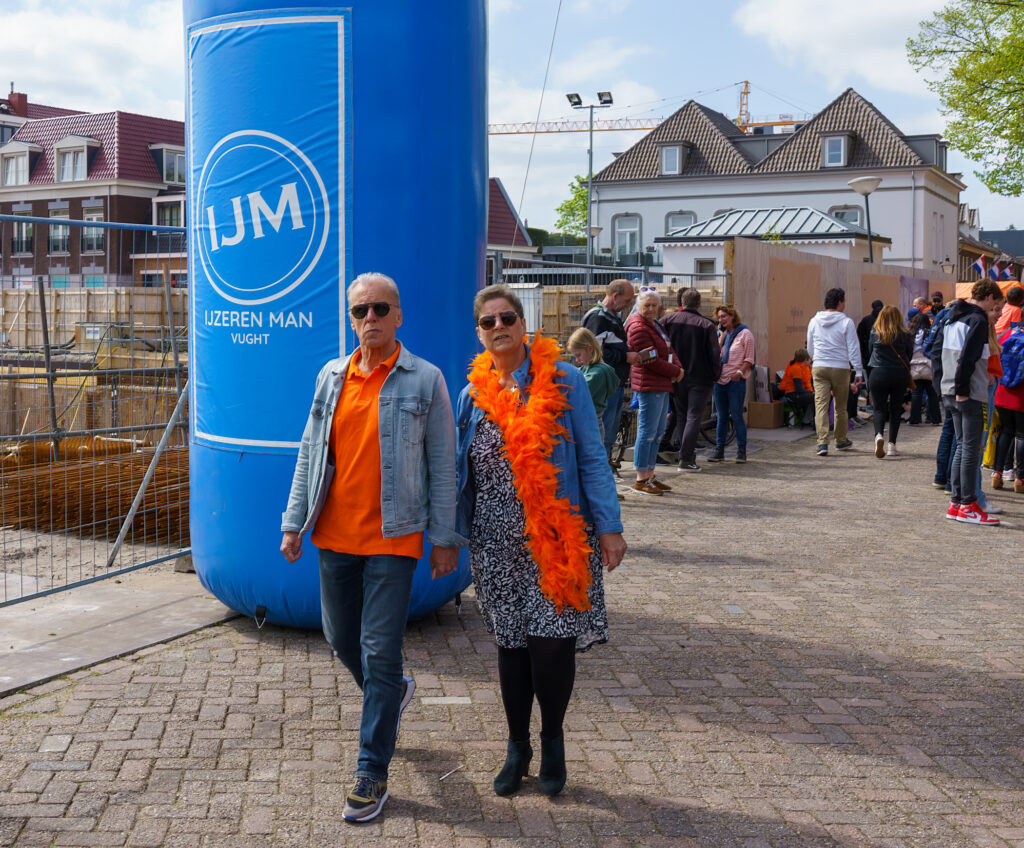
[380, 309]
[489, 322]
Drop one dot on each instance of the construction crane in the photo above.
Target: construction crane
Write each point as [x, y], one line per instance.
[742, 121]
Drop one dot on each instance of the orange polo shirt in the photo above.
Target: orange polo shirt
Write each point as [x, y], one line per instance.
[350, 522]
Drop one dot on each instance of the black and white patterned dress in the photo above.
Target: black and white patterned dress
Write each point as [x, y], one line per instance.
[504, 574]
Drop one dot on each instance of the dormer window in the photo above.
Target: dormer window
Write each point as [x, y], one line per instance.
[672, 158]
[170, 161]
[72, 166]
[15, 169]
[72, 156]
[835, 151]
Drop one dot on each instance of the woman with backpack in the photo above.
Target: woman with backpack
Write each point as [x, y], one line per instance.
[1009, 400]
[921, 371]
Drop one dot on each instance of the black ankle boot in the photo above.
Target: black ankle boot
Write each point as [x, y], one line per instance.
[551, 777]
[512, 773]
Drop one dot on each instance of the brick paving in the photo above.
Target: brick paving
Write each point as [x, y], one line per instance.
[803, 653]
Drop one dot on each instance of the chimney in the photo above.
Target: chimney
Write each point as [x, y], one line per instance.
[19, 103]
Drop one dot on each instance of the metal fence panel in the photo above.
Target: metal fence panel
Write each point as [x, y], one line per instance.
[90, 374]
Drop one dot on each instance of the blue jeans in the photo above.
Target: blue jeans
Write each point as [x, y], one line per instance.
[650, 426]
[729, 406]
[967, 424]
[611, 418]
[364, 602]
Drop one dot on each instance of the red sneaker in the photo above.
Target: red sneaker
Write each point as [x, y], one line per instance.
[973, 514]
[954, 510]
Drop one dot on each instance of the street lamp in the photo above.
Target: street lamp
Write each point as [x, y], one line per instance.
[947, 266]
[864, 186]
[604, 100]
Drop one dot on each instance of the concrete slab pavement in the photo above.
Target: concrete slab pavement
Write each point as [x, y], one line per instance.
[803, 653]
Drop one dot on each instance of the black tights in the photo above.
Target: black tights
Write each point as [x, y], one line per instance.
[546, 667]
[1011, 440]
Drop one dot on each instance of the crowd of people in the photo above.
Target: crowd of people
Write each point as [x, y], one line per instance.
[520, 471]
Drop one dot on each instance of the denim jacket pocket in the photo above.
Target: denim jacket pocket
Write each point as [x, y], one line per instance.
[413, 415]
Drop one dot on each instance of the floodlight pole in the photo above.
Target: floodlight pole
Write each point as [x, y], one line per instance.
[575, 102]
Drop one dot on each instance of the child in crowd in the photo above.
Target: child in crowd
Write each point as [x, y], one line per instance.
[795, 384]
[601, 377]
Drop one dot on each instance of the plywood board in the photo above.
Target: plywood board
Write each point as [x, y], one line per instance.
[883, 287]
[794, 296]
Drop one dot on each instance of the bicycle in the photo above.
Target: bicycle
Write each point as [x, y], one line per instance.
[708, 432]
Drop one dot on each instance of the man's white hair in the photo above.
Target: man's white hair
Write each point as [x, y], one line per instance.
[374, 277]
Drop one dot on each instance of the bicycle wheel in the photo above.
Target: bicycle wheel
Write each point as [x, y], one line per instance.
[625, 437]
[709, 427]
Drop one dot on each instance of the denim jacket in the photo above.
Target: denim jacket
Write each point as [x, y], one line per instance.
[417, 452]
[584, 475]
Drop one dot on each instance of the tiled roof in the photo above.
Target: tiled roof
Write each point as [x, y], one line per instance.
[786, 222]
[876, 143]
[705, 129]
[37, 110]
[124, 140]
[503, 224]
[1009, 241]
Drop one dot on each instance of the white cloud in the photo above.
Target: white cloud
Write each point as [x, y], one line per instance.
[843, 44]
[595, 62]
[114, 55]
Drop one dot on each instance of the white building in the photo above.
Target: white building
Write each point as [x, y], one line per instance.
[697, 164]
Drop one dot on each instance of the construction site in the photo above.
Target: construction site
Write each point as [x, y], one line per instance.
[89, 381]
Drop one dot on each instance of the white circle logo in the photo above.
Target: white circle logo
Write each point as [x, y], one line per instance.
[261, 217]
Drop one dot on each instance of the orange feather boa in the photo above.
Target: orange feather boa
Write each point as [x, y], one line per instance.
[556, 535]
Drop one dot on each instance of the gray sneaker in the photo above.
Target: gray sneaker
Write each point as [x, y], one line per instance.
[688, 466]
[365, 800]
[408, 687]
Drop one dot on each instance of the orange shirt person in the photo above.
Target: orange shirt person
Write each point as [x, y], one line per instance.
[376, 468]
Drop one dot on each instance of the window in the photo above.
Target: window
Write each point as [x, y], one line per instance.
[60, 235]
[627, 239]
[92, 237]
[833, 152]
[22, 241]
[6, 132]
[849, 214]
[72, 165]
[174, 167]
[722, 211]
[168, 214]
[704, 268]
[670, 160]
[15, 169]
[677, 220]
[151, 278]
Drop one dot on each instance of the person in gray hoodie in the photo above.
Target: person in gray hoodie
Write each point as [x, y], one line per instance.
[833, 345]
[960, 368]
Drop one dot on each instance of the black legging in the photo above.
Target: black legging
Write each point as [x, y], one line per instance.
[1011, 436]
[546, 667]
[888, 385]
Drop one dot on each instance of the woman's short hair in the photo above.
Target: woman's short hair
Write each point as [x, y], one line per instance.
[494, 293]
[374, 277]
[645, 296]
[729, 309]
[888, 324]
[583, 339]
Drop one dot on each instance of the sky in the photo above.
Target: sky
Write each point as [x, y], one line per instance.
[653, 55]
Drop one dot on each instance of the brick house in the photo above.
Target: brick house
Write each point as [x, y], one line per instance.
[108, 166]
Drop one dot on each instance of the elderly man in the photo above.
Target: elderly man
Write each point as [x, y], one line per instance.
[605, 322]
[376, 469]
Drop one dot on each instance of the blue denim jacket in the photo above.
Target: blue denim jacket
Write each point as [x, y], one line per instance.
[584, 475]
[417, 452]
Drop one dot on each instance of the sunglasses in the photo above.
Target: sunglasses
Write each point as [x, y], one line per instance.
[489, 322]
[647, 289]
[360, 310]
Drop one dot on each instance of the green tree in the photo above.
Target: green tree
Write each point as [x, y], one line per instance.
[971, 53]
[572, 213]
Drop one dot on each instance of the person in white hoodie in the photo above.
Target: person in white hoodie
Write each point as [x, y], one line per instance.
[833, 346]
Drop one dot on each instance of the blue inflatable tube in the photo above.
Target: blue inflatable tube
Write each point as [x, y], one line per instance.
[323, 141]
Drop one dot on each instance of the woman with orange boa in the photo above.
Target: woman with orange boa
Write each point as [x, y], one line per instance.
[537, 500]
